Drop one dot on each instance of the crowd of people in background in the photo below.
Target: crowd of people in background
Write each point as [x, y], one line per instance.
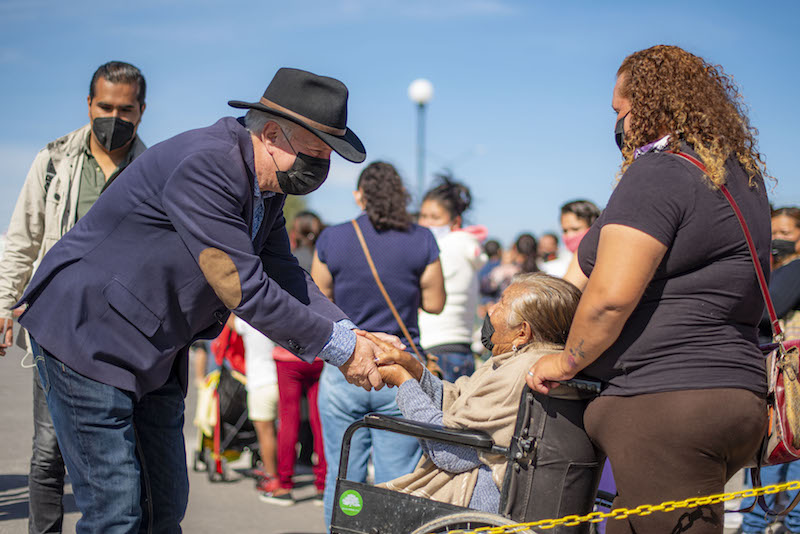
[475, 270]
[416, 300]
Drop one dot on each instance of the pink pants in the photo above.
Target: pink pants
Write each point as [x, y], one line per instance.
[294, 379]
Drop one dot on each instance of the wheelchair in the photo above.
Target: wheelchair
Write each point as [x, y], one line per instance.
[545, 478]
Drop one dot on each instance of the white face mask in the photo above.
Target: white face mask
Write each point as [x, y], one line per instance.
[439, 231]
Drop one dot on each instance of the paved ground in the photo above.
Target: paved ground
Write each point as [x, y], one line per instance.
[231, 506]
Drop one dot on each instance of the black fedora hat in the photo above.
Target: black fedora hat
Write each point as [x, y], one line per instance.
[317, 103]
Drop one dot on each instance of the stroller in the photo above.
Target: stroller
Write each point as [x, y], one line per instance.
[224, 430]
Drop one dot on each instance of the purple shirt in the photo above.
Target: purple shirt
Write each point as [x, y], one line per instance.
[400, 258]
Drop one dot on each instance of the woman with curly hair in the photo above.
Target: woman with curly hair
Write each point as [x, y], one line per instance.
[407, 260]
[670, 307]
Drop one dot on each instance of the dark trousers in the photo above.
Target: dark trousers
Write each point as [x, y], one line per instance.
[564, 471]
[46, 478]
[676, 445]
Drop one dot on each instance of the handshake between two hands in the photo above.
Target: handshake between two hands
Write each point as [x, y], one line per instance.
[378, 360]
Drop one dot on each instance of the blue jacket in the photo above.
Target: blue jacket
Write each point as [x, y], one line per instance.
[160, 260]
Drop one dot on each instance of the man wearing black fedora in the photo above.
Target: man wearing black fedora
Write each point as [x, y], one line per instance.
[191, 231]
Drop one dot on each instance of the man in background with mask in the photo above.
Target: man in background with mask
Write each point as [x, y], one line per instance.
[65, 180]
[193, 232]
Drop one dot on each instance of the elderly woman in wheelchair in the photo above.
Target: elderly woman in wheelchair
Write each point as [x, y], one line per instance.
[490, 444]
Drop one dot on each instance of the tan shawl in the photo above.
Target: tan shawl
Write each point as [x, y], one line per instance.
[488, 401]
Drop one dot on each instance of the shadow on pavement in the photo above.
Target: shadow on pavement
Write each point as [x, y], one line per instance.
[8, 482]
[14, 498]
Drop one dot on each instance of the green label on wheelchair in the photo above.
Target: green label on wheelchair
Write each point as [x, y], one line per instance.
[351, 502]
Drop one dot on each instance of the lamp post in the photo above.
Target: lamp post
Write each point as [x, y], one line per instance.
[420, 92]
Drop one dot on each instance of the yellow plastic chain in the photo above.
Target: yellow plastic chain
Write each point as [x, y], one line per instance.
[644, 509]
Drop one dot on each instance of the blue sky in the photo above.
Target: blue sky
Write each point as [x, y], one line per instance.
[522, 104]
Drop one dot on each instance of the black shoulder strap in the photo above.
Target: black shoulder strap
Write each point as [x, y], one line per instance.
[48, 177]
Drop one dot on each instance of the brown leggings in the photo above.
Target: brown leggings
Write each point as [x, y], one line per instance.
[672, 446]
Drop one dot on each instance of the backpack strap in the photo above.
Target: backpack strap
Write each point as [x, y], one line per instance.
[49, 175]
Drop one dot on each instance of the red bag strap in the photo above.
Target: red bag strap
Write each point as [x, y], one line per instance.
[777, 332]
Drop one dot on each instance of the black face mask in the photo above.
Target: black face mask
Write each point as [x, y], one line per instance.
[619, 131]
[113, 132]
[782, 248]
[487, 331]
[306, 175]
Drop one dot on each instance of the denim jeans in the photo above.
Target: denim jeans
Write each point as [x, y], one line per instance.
[118, 450]
[340, 405]
[46, 477]
[455, 364]
[755, 520]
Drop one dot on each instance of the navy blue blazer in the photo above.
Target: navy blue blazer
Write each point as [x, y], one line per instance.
[162, 257]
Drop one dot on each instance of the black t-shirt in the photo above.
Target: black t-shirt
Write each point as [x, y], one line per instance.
[696, 324]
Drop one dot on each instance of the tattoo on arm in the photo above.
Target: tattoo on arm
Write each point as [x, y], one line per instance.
[574, 355]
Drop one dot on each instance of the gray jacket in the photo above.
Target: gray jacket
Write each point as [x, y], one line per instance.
[44, 213]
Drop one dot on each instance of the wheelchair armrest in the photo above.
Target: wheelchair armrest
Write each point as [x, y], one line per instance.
[470, 438]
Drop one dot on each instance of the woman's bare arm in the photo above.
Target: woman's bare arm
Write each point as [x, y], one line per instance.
[322, 276]
[575, 274]
[626, 261]
[432, 285]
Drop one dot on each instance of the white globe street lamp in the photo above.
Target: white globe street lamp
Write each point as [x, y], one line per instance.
[420, 92]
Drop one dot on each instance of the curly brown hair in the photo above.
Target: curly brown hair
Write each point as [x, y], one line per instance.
[677, 93]
[385, 197]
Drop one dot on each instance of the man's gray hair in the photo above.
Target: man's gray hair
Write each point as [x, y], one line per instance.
[546, 303]
[255, 120]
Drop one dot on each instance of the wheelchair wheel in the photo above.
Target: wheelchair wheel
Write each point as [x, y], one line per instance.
[465, 521]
